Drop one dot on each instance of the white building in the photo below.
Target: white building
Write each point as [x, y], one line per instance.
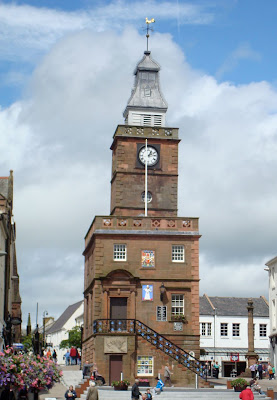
[71, 317]
[224, 331]
[272, 275]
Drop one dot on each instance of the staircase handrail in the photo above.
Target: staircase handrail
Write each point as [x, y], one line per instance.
[156, 339]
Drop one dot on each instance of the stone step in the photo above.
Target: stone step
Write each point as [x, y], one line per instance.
[107, 393]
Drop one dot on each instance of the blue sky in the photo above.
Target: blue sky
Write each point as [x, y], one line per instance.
[229, 39]
[65, 77]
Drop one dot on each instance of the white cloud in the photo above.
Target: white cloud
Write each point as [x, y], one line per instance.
[242, 52]
[60, 136]
[27, 31]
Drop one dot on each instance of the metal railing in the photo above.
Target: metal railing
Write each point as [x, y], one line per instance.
[133, 326]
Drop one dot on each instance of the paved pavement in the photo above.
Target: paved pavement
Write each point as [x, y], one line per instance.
[73, 374]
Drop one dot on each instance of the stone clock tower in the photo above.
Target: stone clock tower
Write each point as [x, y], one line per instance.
[144, 116]
[141, 283]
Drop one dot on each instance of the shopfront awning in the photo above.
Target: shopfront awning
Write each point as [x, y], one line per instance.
[226, 351]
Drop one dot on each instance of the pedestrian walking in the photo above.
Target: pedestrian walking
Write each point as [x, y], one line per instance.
[216, 369]
[54, 356]
[167, 374]
[135, 390]
[67, 357]
[73, 355]
[253, 369]
[92, 392]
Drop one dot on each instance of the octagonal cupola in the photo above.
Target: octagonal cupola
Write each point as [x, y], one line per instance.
[146, 106]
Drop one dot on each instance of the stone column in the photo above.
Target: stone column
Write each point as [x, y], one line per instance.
[251, 356]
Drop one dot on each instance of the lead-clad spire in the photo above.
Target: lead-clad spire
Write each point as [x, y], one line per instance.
[146, 105]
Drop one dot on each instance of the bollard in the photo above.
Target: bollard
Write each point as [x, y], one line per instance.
[229, 384]
[270, 393]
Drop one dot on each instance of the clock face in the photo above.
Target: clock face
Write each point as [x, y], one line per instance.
[152, 156]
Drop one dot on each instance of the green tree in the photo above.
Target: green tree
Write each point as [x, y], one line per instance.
[27, 341]
[74, 338]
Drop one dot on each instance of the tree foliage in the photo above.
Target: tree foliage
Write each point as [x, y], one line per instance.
[74, 338]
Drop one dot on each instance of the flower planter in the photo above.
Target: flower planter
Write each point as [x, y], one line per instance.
[239, 388]
[144, 384]
[121, 387]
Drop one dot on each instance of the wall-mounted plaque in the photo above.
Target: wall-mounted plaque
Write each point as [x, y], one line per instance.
[115, 344]
[148, 258]
[147, 292]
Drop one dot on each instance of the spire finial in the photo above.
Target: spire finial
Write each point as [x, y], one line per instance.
[148, 22]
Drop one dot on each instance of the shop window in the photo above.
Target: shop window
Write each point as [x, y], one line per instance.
[145, 366]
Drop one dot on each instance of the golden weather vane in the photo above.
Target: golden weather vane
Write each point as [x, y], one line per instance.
[148, 22]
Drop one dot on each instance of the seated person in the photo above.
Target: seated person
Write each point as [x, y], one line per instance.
[86, 369]
[159, 387]
[255, 385]
[148, 395]
[97, 376]
[70, 394]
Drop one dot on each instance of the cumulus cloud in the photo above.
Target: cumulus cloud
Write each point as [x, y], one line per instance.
[61, 132]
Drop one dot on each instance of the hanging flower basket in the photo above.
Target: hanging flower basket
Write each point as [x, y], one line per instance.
[34, 372]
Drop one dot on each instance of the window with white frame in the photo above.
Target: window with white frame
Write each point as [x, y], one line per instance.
[263, 332]
[206, 328]
[145, 366]
[177, 304]
[178, 253]
[119, 252]
[161, 313]
[273, 314]
[236, 330]
[223, 329]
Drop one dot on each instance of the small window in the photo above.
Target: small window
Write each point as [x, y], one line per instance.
[177, 304]
[178, 253]
[147, 92]
[223, 329]
[236, 330]
[120, 252]
[263, 330]
[145, 366]
[161, 313]
[206, 328]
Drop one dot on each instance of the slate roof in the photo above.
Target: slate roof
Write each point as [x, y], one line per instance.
[233, 306]
[138, 100]
[59, 324]
[4, 186]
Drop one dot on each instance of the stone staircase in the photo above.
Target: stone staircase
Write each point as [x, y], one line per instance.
[107, 393]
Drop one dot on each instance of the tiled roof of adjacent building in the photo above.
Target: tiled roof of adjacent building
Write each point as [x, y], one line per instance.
[232, 306]
[59, 324]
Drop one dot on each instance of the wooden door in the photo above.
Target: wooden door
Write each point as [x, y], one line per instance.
[115, 367]
[118, 311]
[118, 307]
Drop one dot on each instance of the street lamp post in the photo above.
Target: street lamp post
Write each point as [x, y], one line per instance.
[43, 334]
